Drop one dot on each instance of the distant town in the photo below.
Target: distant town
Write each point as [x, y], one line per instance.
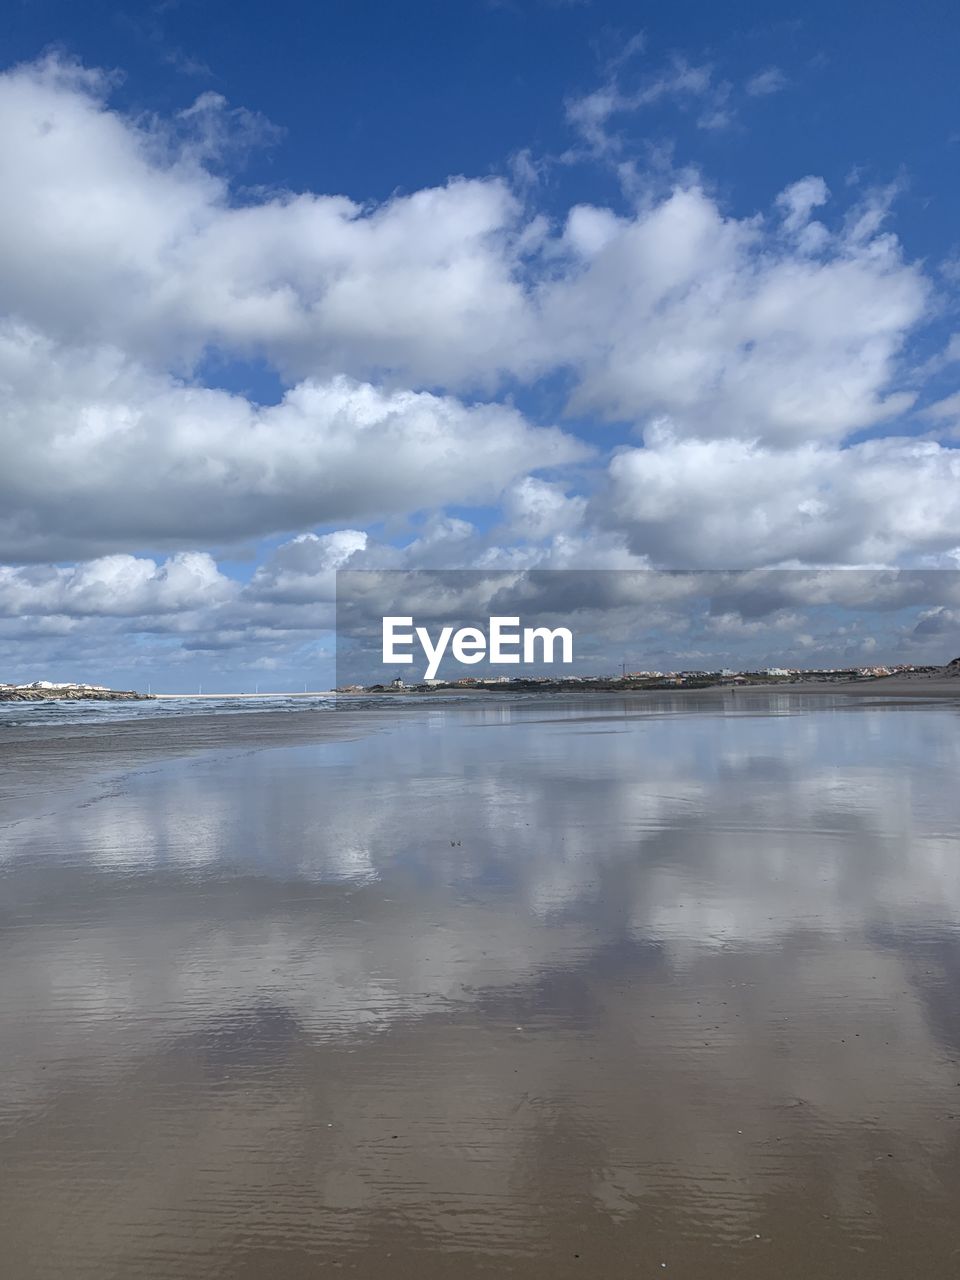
[51, 690]
[645, 679]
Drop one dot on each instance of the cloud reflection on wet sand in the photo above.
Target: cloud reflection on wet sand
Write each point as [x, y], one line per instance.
[490, 991]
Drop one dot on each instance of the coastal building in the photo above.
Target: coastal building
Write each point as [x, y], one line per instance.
[62, 684]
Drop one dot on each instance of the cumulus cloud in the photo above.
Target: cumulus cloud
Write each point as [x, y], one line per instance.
[745, 352]
[536, 509]
[115, 586]
[303, 570]
[798, 201]
[101, 453]
[677, 308]
[113, 234]
[732, 503]
[728, 329]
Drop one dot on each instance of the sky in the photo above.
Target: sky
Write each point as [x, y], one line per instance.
[526, 285]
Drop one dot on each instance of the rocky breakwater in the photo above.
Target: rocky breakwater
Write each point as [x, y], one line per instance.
[48, 691]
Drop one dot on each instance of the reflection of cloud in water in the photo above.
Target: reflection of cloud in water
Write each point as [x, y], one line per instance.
[686, 955]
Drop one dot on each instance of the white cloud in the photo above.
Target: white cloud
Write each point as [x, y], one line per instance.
[117, 585]
[112, 238]
[945, 410]
[730, 503]
[745, 350]
[101, 453]
[537, 509]
[766, 82]
[590, 114]
[112, 233]
[303, 570]
[798, 201]
[728, 329]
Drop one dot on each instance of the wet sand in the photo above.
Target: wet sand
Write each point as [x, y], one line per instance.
[533, 990]
[38, 763]
[918, 686]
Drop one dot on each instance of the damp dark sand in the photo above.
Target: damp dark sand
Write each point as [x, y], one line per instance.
[544, 990]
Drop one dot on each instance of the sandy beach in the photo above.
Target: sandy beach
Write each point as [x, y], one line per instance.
[909, 686]
[550, 988]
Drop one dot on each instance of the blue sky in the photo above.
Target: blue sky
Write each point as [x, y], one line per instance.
[378, 97]
[295, 287]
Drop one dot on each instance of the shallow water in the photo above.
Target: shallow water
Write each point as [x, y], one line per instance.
[616, 989]
[91, 711]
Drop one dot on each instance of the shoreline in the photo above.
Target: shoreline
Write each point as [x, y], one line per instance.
[199, 697]
[214, 729]
[31, 754]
